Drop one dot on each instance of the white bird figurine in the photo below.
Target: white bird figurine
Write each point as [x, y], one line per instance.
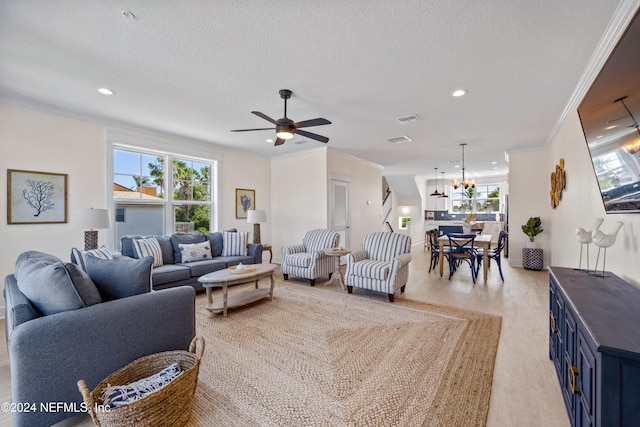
[585, 237]
[602, 240]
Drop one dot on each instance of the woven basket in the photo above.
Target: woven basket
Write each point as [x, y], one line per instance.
[169, 406]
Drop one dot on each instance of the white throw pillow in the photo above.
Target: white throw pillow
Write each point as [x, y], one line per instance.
[195, 251]
[148, 247]
[234, 243]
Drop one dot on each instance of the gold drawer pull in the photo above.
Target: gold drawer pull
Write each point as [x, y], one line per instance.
[573, 379]
[554, 327]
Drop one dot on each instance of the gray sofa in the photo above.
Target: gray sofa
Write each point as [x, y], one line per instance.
[63, 325]
[174, 272]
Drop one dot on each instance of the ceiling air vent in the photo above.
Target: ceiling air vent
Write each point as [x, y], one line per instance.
[408, 119]
[399, 139]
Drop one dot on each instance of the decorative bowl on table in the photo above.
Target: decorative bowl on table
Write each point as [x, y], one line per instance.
[340, 250]
[241, 269]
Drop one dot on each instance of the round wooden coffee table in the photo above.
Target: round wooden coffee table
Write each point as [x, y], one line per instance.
[228, 277]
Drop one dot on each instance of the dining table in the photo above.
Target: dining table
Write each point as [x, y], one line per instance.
[481, 240]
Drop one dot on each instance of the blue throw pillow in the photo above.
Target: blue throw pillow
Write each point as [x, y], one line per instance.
[120, 278]
[53, 286]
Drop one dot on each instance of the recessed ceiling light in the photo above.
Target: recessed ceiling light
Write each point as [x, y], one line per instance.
[459, 92]
[269, 140]
[494, 163]
[105, 91]
[128, 14]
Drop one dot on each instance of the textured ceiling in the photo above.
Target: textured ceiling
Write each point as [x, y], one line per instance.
[196, 69]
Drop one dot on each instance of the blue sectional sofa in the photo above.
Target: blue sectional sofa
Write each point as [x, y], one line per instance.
[173, 272]
[64, 324]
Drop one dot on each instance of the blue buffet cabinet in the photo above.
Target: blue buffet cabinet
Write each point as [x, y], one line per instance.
[594, 342]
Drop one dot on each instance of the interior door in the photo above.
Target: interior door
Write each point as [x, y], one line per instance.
[340, 221]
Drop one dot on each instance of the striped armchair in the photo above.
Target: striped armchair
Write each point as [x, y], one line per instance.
[382, 265]
[309, 260]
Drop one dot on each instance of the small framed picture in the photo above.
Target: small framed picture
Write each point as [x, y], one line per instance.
[245, 201]
[36, 197]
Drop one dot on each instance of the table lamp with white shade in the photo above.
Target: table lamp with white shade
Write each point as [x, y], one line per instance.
[255, 217]
[93, 219]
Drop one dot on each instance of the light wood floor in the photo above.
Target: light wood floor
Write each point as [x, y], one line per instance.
[525, 388]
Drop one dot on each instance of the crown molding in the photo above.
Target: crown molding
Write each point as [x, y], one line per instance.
[620, 20]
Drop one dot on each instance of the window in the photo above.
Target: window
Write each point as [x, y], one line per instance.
[154, 205]
[484, 198]
[611, 171]
[120, 215]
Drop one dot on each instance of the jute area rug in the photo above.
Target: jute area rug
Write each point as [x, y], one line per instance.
[315, 357]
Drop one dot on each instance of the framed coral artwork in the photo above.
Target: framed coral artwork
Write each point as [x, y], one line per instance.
[36, 197]
[245, 201]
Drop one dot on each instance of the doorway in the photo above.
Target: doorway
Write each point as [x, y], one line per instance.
[339, 208]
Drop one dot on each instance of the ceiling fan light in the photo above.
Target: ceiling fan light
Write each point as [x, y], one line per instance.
[284, 134]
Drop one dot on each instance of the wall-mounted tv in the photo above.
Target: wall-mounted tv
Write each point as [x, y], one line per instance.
[609, 114]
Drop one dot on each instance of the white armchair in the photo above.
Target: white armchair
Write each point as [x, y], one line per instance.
[382, 265]
[309, 260]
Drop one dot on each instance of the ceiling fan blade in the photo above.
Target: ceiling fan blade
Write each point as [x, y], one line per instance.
[249, 130]
[312, 122]
[264, 116]
[312, 135]
[279, 141]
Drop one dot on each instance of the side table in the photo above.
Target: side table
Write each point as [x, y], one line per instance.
[337, 253]
[267, 247]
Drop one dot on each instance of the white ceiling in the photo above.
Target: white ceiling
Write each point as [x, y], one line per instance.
[196, 69]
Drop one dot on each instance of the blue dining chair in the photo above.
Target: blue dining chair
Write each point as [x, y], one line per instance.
[434, 248]
[495, 253]
[462, 249]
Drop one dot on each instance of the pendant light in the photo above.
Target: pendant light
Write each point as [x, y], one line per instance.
[443, 195]
[466, 183]
[436, 193]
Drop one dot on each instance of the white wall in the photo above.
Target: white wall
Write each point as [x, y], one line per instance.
[241, 171]
[365, 183]
[38, 141]
[528, 196]
[299, 198]
[581, 204]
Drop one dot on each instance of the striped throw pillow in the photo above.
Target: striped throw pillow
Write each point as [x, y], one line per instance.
[102, 253]
[234, 243]
[79, 257]
[148, 247]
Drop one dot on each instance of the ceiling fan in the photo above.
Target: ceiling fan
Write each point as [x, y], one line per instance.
[286, 128]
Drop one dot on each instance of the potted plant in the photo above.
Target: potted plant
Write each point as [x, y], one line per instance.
[532, 228]
[531, 255]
